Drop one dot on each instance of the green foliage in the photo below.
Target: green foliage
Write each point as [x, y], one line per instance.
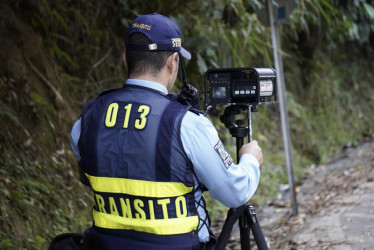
[7, 113]
[36, 201]
[7, 244]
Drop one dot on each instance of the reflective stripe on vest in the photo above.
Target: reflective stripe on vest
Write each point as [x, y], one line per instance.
[160, 227]
[142, 222]
[138, 187]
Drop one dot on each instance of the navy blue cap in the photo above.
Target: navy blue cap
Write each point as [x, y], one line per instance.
[162, 32]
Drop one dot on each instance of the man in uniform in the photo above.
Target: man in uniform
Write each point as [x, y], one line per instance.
[147, 158]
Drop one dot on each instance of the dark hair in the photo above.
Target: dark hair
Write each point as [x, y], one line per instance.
[142, 61]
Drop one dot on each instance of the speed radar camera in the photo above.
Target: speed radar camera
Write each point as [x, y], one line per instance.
[240, 86]
[240, 89]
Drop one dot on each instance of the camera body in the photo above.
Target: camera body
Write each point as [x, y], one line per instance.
[240, 86]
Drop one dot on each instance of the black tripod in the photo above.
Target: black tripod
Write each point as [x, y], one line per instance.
[245, 213]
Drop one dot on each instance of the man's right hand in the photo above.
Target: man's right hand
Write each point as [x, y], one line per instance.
[254, 149]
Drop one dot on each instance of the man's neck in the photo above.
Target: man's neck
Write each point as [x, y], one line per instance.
[152, 78]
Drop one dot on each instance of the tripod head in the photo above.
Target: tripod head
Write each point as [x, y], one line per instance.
[235, 127]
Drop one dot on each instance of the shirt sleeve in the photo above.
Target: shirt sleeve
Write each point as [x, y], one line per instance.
[74, 138]
[231, 184]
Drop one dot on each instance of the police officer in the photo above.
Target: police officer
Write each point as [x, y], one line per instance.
[147, 158]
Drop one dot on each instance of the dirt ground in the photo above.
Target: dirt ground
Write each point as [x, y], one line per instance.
[335, 206]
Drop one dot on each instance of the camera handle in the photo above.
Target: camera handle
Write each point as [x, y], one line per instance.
[246, 214]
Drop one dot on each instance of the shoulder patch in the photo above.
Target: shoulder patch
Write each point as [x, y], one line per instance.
[224, 154]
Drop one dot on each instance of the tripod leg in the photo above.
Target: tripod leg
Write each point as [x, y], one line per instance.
[256, 229]
[232, 216]
[244, 232]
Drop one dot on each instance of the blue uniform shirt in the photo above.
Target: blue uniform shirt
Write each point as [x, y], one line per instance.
[231, 184]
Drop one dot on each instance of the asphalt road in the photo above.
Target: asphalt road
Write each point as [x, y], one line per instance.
[335, 204]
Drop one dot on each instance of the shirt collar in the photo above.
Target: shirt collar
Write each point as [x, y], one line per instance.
[147, 84]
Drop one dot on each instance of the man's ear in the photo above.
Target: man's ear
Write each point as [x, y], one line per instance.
[172, 62]
[124, 59]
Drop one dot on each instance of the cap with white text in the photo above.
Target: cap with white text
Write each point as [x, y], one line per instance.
[162, 32]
